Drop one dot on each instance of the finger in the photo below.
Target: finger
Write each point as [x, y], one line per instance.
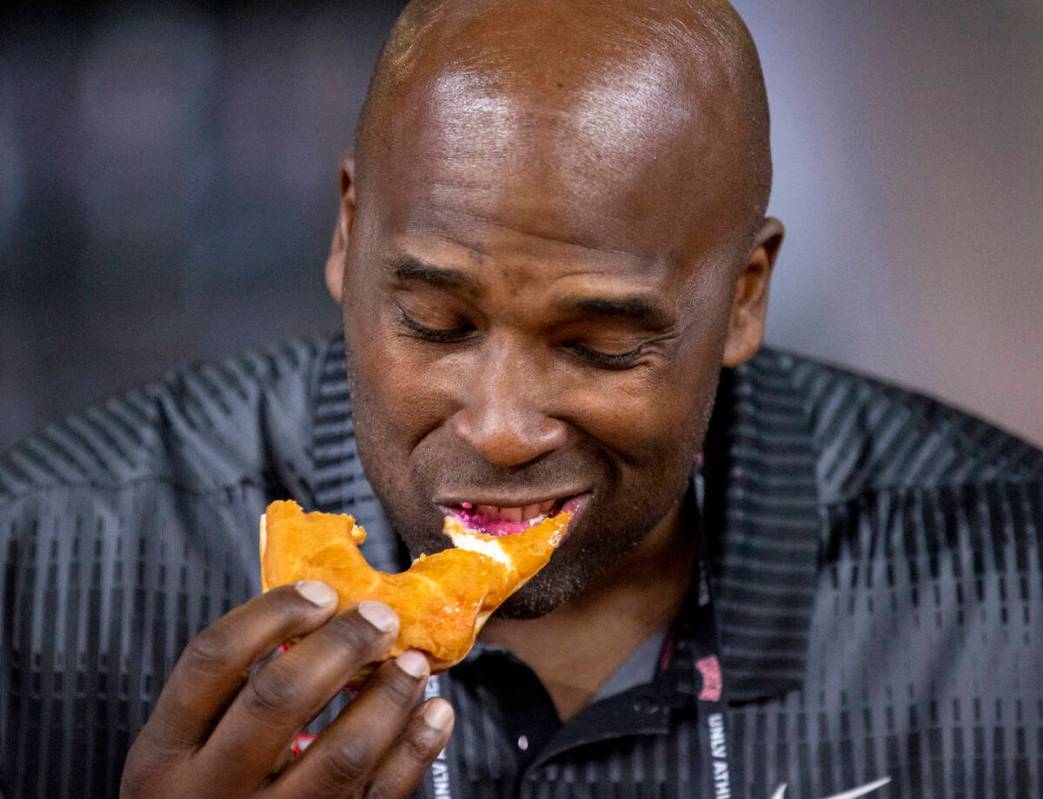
[215, 664]
[282, 696]
[342, 757]
[425, 736]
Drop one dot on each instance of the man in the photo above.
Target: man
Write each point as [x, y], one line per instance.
[552, 257]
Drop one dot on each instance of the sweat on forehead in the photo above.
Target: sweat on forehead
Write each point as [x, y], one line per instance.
[615, 82]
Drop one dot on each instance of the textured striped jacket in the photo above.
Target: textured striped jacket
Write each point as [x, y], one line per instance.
[875, 555]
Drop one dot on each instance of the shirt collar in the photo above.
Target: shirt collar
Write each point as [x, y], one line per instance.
[762, 522]
[761, 513]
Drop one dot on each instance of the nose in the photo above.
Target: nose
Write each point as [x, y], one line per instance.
[503, 413]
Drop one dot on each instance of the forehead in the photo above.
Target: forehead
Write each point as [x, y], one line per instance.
[511, 268]
[610, 160]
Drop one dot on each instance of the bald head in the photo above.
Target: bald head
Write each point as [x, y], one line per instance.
[618, 83]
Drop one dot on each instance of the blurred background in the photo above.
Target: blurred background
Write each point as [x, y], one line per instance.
[168, 187]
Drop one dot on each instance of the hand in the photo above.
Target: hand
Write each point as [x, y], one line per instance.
[222, 728]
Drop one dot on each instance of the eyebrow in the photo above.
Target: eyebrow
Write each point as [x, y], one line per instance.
[637, 308]
[409, 269]
[634, 308]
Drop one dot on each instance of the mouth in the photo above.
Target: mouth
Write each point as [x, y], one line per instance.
[503, 520]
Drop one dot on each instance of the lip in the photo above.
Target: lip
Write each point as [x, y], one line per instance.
[457, 498]
[575, 505]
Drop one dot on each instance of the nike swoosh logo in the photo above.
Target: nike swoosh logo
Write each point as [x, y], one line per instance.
[854, 793]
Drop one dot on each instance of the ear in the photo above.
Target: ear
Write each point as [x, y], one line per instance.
[337, 259]
[750, 300]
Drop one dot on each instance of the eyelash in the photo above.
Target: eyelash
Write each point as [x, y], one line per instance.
[430, 333]
[623, 360]
[603, 360]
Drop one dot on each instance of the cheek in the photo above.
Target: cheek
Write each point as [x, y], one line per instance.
[644, 422]
[648, 414]
[394, 408]
[403, 395]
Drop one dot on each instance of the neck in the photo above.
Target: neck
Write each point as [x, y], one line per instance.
[575, 649]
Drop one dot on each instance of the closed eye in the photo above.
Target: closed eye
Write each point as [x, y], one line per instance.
[433, 334]
[459, 333]
[605, 360]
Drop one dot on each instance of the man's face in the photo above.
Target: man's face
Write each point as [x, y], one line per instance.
[536, 310]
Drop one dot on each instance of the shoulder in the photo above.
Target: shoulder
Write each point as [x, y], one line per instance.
[126, 528]
[870, 436]
[921, 561]
[201, 428]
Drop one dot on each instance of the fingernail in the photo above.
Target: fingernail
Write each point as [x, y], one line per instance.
[379, 615]
[438, 715]
[412, 663]
[316, 592]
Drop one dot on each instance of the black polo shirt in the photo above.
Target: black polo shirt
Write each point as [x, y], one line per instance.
[874, 559]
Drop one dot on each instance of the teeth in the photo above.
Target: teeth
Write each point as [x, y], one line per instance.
[533, 513]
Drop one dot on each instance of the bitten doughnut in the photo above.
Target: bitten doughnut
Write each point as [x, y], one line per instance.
[442, 600]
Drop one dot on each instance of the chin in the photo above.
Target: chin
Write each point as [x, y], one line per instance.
[541, 595]
[571, 573]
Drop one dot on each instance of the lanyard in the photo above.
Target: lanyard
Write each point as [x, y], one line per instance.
[714, 745]
[438, 782]
[699, 623]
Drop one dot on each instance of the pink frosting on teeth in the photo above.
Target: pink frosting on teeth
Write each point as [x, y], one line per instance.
[483, 522]
[501, 521]
[494, 520]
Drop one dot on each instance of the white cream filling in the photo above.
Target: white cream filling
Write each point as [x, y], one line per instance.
[491, 548]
